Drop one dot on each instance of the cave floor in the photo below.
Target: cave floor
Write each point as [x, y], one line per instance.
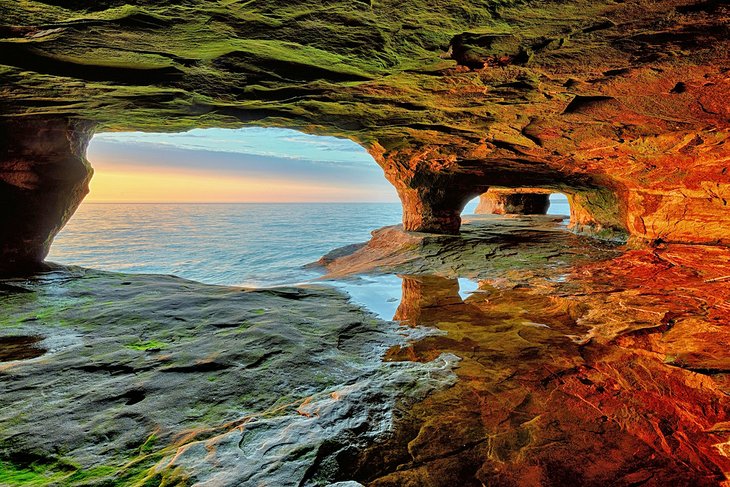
[518, 354]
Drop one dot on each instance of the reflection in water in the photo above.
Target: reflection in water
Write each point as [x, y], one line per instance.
[536, 406]
[466, 287]
[381, 295]
[378, 294]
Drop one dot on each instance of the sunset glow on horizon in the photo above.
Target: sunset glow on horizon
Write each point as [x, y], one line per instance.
[232, 166]
[188, 187]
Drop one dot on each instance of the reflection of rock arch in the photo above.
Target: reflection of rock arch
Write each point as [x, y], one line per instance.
[532, 406]
[424, 296]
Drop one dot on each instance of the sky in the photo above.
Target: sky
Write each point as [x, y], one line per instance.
[225, 166]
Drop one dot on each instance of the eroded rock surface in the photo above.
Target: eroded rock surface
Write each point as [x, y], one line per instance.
[44, 175]
[140, 380]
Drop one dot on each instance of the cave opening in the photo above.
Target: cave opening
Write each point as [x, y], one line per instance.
[244, 165]
[203, 166]
[224, 206]
[559, 205]
[520, 201]
[471, 207]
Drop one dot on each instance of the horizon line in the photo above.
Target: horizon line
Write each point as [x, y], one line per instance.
[237, 202]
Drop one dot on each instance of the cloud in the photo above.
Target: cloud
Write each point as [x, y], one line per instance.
[265, 160]
[257, 141]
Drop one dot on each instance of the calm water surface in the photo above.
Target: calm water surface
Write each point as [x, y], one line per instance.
[235, 244]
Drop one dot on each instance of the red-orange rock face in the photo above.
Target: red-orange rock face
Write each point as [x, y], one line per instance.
[642, 157]
[635, 129]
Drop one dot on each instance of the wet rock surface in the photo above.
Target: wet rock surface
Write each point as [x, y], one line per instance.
[157, 379]
[488, 245]
[606, 368]
[20, 347]
[572, 361]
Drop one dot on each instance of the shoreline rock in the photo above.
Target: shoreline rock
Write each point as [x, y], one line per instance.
[569, 357]
[143, 375]
[487, 244]
[567, 351]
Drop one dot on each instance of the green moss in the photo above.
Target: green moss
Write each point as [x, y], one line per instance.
[20, 309]
[240, 62]
[54, 472]
[148, 345]
[35, 474]
[149, 444]
[92, 475]
[136, 471]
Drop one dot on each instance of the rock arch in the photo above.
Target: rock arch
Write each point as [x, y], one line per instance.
[603, 101]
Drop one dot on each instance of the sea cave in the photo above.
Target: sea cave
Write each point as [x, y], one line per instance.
[553, 308]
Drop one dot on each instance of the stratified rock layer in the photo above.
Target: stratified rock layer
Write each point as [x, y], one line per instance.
[622, 106]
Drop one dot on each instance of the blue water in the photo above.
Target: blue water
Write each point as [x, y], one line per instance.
[559, 205]
[235, 244]
[381, 294]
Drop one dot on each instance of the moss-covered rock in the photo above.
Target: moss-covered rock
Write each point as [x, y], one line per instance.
[133, 379]
[451, 97]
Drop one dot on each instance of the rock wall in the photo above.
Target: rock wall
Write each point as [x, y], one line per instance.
[44, 175]
[431, 187]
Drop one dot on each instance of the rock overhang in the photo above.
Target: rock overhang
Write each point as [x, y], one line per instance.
[461, 70]
[620, 104]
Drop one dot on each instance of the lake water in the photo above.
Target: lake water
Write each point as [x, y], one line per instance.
[236, 244]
